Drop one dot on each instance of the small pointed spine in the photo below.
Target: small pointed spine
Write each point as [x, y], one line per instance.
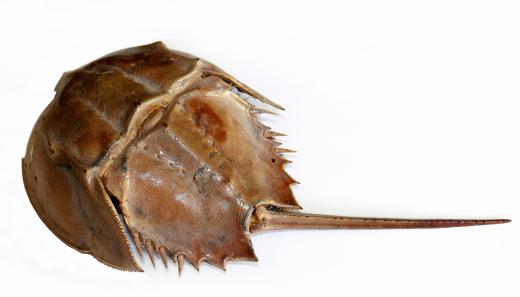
[276, 134]
[271, 134]
[149, 249]
[261, 110]
[220, 264]
[138, 243]
[284, 150]
[180, 263]
[164, 256]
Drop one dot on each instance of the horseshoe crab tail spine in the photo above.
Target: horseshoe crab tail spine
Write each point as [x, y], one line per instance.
[265, 219]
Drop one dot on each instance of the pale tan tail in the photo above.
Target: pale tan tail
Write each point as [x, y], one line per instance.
[265, 219]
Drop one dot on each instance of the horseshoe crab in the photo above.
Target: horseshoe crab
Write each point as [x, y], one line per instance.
[165, 140]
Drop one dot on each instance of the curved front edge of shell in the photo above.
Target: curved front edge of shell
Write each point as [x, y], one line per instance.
[76, 212]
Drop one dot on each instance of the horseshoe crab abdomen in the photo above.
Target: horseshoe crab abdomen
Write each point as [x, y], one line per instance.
[179, 202]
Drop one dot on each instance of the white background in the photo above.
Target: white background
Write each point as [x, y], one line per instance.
[396, 108]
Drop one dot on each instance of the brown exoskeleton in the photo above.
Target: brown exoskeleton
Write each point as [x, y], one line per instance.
[164, 139]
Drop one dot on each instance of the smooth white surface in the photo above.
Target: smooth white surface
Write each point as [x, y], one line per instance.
[396, 108]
